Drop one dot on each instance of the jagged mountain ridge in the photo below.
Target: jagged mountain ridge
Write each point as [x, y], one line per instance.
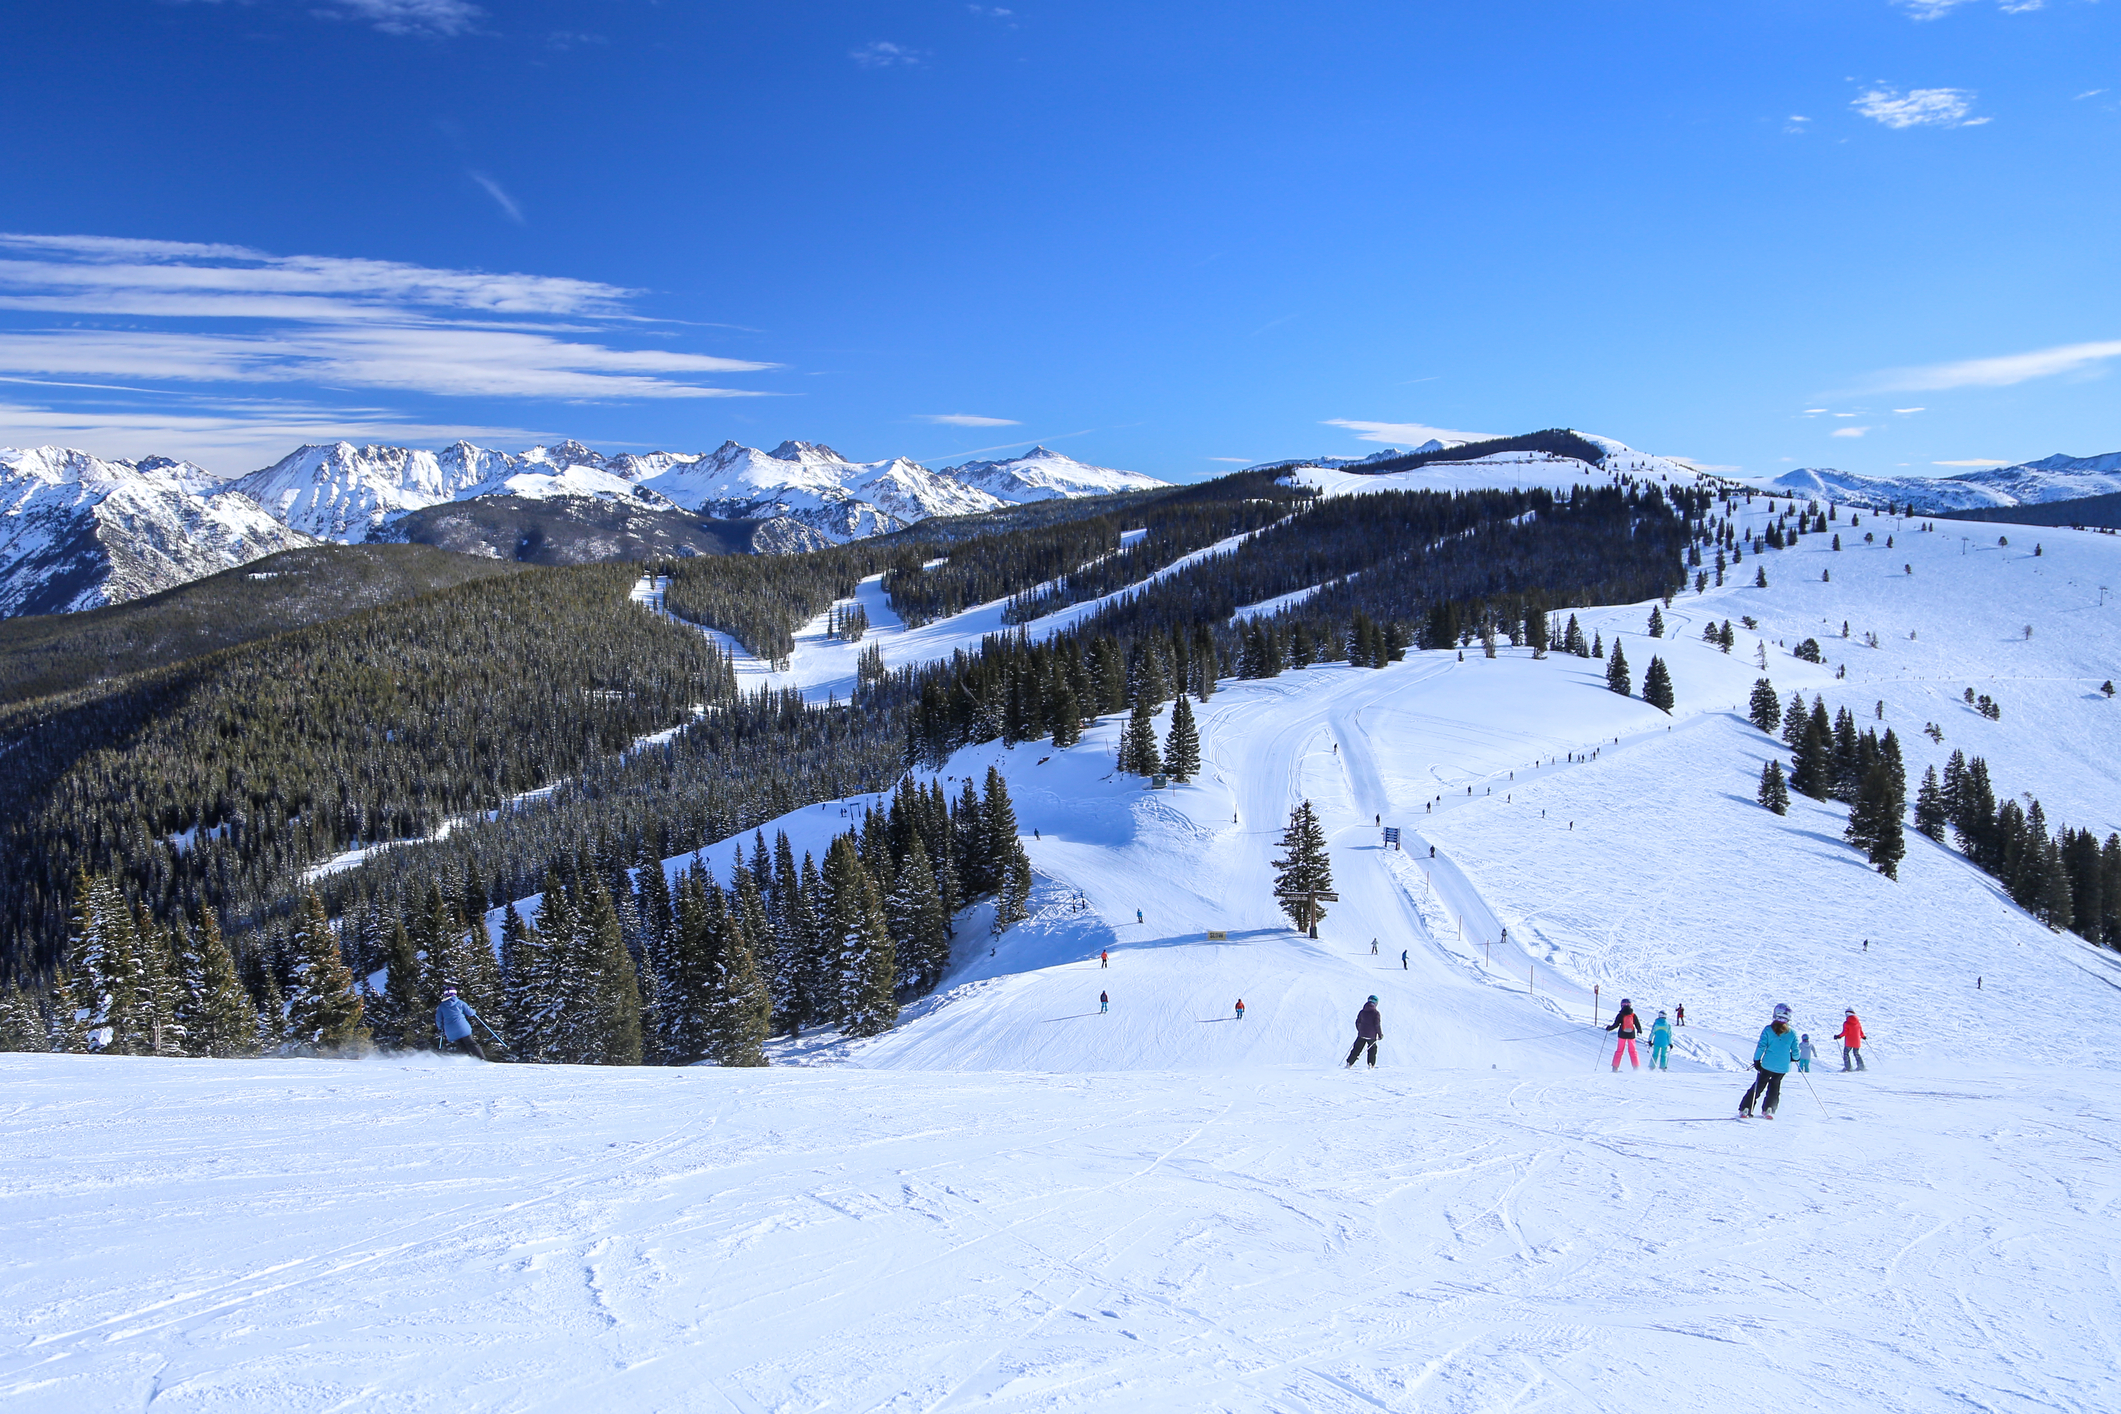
[79, 532]
[343, 492]
[2056, 478]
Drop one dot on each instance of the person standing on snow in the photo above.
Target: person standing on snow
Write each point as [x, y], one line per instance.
[1629, 1026]
[1369, 1030]
[1373, 947]
[1403, 960]
[1240, 1008]
[1851, 1042]
[1806, 1054]
[1104, 1003]
[1660, 1042]
[453, 1018]
[1679, 1014]
[1104, 959]
[1773, 1055]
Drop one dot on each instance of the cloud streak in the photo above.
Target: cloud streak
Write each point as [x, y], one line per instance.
[501, 198]
[1918, 108]
[1410, 433]
[1999, 372]
[964, 419]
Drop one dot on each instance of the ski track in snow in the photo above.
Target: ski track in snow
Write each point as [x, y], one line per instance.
[1015, 1202]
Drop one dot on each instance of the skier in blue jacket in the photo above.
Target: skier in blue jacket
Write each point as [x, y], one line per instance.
[1773, 1055]
[453, 1018]
[1660, 1043]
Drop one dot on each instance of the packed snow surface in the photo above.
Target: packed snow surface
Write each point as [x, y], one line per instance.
[1016, 1200]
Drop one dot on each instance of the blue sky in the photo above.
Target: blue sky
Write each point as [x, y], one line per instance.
[1173, 237]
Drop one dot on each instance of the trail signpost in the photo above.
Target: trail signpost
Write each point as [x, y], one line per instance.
[1312, 899]
[1392, 836]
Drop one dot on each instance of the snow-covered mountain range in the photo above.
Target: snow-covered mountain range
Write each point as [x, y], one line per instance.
[78, 532]
[2055, 478]
[344, 492]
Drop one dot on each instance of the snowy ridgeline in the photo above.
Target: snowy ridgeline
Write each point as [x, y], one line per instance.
[1016, 1201]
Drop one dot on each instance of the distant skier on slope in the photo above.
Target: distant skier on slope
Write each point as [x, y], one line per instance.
[1240, 1008]
[1806, 1054]
[1369, 1030]
[1660, 1043]
[1403, 960]
[1679, 1014]
[1629, 1025]
[1104, 958]
[1773, 1055]
[1851, 1042]
[453, 1018]
[1104, 1003]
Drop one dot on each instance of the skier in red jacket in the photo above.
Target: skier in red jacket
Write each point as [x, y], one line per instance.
[1852, 1042]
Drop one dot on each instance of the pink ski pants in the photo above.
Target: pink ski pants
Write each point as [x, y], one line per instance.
[1626, 1046]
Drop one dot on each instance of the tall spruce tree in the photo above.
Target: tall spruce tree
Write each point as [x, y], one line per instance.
[1930, 817]
[1774, 791]
[919, 929]
[1616, 672]
[1657, 686]
[323, 1007]
[867, 963]
[222, 1022]
[614, 993]
[1304, 869]
[1138, 752]
[99, 956]
[1874, 820]
[1765, 708]
[741, 1010]
[22, 1025]
[526, 977]
[1182, 745]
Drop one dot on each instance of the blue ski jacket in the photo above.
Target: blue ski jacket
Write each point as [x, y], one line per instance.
[453, 1019]
[1660, 1032]
[1776, 1053]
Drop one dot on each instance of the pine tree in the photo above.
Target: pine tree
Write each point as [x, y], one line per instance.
[687, 1013]
[615, 989]
[1182, 745]
[223, 1023]
[272, 1014]
[1812, 765]
[1774, 791]
[1616, 672]
[323, 1009]
[914, 914]
[1657, 686]
[1874, 820]
[1930, 817]
[998, 829]
[741, 1010]
[1656, 622]
[1304, 869]
[1065, 714]
[867, 962]
[1138, 752]
[99, 955]
[1765, 709]
[1597, 644]
[1793, 720]
[526, 981]
[1013, 894]
[21, 1023]
[786, 980]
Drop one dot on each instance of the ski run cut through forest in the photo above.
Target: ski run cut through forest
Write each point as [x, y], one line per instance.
[998, 1056]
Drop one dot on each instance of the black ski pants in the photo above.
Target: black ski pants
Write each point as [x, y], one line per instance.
[1356, 1050]
[466, 1046]
[1767, 1089]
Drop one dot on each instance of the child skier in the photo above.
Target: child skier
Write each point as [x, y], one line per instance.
[1629, 1026]
[1660, 1042]
[1369, 1030]
[1773, 1055]
[453, 1018]
[1240, 1008]
[1806, 1053]
[1104, 1003]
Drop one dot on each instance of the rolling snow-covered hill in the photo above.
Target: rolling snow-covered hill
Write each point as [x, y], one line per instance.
[77, 532]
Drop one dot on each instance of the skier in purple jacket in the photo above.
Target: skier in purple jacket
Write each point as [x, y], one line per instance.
[1369, 1030]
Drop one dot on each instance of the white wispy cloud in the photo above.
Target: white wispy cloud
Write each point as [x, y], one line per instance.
[1938, 9]
[330, 320]
[1918, 108]
[501, 198]
[1410, 433]
[2088, 93]
[964, 419]
[1904, 411]
[1848, 431]
[428, 17]
[883, 54]
[1999, 372]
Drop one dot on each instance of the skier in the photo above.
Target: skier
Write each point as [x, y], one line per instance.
[1679, 1015]
[453, 1018]
[1240, 1008]
[1104, 958]
[1104, 1003]
[1773, 1054]
[1369, 1030]
[1806, 1053]
[1403, 960]
[1137, 915]
[1373, 947]
[1629, 1026]
[1851, 1042]
[1660, 1043]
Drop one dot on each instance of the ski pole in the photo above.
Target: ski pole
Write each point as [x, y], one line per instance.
[1815, 1094]
[493, 1033]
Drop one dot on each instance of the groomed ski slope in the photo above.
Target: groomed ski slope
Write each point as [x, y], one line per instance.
[1013, 1202]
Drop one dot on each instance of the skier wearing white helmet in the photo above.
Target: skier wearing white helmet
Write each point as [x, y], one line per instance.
[1773, 1055]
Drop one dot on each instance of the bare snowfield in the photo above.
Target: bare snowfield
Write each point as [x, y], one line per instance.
[1014, 1201]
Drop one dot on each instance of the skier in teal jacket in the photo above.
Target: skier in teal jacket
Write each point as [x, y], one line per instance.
[1773, 1055]
[1660, 1042]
